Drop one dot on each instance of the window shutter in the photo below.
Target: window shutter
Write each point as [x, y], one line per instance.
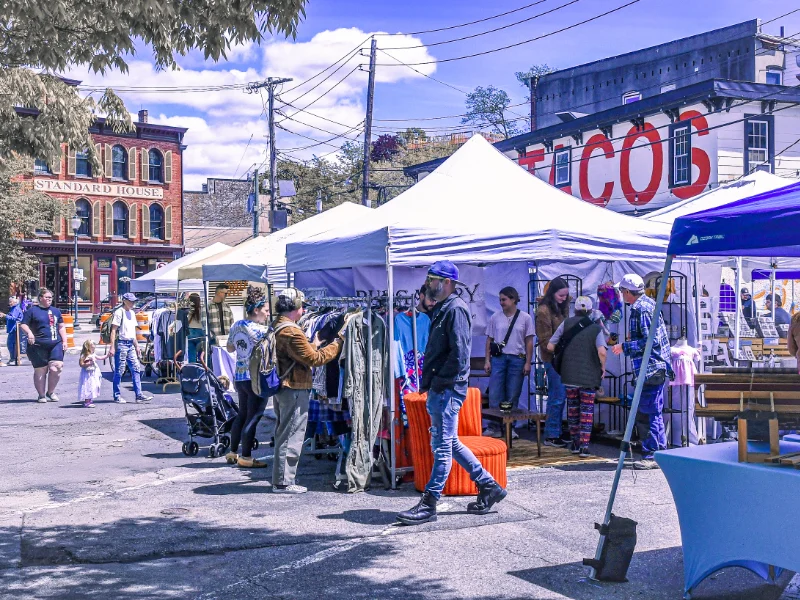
[55, 168]
[57, 225]
[168, 166]
[72, 210]
[109, 220]
[132, 210]
[71, 162]
[131, 164]
[145, 222]
[98, 150]
[109, 165]
[145, 165]
[96, 221]
[168, 223]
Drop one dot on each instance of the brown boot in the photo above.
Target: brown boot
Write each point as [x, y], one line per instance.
[248, 462]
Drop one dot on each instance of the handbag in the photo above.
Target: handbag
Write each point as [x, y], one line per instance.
[656, 379]
[496, 349]
[558, 353]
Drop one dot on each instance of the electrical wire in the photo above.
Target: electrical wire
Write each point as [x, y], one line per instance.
[327, 92]
[346, 56]
[314, 127]
[482, 33]
[523, 42]
[317, 142]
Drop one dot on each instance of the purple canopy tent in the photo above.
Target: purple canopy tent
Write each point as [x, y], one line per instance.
[764, 225]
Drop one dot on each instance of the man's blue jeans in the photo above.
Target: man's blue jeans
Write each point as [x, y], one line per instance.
[556, 397]
[443, 407]
[505, 381]
[652, 404]
[126, 355]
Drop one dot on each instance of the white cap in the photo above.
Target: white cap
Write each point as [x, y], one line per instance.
[583, 303]
[631, 282]
[293, 294]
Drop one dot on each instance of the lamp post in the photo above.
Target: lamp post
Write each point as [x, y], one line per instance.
[76, 222]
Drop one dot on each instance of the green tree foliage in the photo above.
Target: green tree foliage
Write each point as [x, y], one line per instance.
[23, 211]
[535, 72]
[487, 107]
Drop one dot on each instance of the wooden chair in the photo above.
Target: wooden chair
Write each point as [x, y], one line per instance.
[490, 452]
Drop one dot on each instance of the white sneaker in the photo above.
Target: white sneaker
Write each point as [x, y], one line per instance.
[143, 399]
[289, 489]
[53, 397]
[120, 400]
[42, 400]
[514, 434]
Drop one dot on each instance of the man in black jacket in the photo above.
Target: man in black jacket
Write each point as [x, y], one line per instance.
[445, 375]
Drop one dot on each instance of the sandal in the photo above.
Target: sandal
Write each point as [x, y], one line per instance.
[249, 462]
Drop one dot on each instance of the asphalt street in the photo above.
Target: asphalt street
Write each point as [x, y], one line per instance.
[102, 503]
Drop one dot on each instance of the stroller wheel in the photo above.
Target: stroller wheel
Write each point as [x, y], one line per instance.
[185, 448]
[226, 442]
[255, 444]
[193, 448]
[212, 451]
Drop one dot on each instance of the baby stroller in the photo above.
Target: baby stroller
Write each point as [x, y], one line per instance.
[208, 413]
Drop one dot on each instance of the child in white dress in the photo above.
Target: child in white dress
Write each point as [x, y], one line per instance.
[89, 382]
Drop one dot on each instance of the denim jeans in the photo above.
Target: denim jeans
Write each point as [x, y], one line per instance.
[652, 404]
[556, 397]
[505, 381]
[196, 338]
[126, 355]
[11, 342]
[443, 407]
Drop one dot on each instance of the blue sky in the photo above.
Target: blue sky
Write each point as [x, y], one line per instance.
[227, 129]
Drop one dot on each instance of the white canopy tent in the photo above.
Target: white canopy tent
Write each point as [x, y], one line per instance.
[480, 207]
[165, 279]
[265, 258]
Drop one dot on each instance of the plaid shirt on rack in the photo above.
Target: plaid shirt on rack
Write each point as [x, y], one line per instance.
[216, 325]
[641, 319]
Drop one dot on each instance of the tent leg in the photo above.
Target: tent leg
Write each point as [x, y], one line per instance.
[637, 394]
[739, 314]
[390, 374]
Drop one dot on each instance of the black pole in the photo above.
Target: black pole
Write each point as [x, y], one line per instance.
[368, 125]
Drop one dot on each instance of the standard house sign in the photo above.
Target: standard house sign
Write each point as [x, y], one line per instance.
[97, 189]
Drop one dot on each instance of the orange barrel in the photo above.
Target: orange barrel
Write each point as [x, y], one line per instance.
[142, 327]
[69, 322]
[103, 318]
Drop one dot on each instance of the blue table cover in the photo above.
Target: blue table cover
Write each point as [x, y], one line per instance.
[732, 513]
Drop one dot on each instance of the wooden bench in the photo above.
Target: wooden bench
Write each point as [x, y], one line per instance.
[723, 393]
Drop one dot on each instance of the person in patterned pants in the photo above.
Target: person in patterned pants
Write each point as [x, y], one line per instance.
[580, 417]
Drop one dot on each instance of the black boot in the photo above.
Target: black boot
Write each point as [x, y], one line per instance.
[423, 512]
[488, 496]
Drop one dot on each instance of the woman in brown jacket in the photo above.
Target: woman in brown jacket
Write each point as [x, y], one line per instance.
[552, 310]
[296, 355]
[794, 338]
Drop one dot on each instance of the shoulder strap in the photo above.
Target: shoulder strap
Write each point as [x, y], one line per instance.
[572, 332]
[511, 328]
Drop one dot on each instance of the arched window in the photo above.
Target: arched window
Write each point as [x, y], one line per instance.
[156, 166]
[156, 222]
[120, 214]
[84, 210]
[119, 158]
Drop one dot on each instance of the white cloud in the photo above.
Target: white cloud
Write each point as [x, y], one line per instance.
[221, 122]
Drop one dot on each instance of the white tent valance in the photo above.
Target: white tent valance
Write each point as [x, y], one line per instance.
[480, 207]
[165, 279]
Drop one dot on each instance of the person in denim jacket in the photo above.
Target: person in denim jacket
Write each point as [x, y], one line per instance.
[445, 375]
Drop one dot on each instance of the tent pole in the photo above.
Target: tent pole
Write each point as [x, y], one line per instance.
[390, 374]
[637, 394]
[773, 266]
[699, 423]
[737, 321]
[205, 303]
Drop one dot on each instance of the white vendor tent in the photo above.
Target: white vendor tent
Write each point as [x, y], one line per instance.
[745, 187]
[265, 258]
[480, 207]
[165, 279]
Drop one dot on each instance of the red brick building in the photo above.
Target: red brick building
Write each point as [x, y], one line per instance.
[131, 214]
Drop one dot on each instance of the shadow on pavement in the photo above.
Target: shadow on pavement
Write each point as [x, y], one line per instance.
[174, 427]
[571, 580]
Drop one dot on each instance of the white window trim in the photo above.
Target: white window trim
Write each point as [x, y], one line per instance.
[759, 164]
[566, 167]
[675, 156]
[626, 97]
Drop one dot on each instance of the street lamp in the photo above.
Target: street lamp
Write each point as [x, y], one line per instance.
[76, 222]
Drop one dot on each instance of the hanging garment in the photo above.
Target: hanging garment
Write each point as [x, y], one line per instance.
[365, 407]
[404, 349]
[683, 359]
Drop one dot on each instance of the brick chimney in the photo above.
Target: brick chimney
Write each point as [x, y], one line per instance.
[143, 116]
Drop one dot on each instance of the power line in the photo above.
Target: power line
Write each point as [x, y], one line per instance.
[328, 92]
[523, 42]
[318, 142]
[482, 33]
[346, 56]
[497, 16]
[421, 73]
[312, 126]
[436, 118]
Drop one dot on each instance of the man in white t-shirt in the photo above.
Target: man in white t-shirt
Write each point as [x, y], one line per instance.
[508, 370]
[125, 349]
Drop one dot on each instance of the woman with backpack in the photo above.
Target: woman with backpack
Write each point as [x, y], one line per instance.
[243, 337]
[553, 309]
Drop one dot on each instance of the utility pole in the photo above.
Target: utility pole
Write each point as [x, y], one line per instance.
[256, 211]
[368, 124]
[270, 83]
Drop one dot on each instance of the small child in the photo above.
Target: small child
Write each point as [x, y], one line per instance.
[89, 382]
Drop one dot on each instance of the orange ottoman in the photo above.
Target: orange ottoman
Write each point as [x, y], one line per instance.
[491, 452]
